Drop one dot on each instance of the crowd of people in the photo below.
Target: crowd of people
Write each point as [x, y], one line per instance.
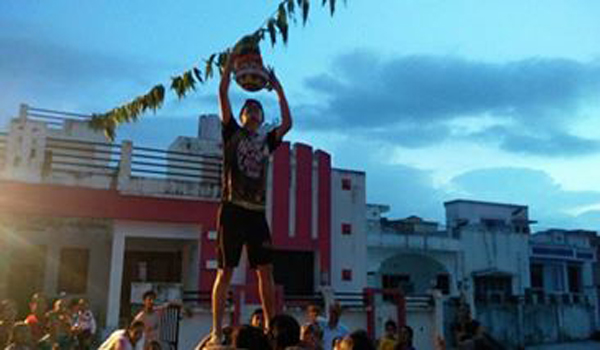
[68, 325]
[317, 333]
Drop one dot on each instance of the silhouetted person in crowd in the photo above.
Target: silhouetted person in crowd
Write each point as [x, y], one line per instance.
[311, 336]
[405, 338]
[333, 328]
[250, 338]
[390, 337]
[284, 332]
[131, 338]
[357, 340]
[258, 319]
[84, 325]
[20, 337]
[150, 316]
[8, 316]
[36, 320]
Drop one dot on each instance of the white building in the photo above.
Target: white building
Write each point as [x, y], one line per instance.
[482, 250]
[562, 263]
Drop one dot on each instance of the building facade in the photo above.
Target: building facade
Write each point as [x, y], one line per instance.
[105, 221]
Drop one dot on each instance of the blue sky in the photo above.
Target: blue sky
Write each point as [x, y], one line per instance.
[434, 99]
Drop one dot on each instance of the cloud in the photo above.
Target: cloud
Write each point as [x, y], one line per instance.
[542, 142]
[549, 203]
[404, 98]
[47, 74]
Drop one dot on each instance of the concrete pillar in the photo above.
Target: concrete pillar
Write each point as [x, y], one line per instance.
[125, 164]
[52, 269]
[4, 261]
[438, 304]
[116, 278]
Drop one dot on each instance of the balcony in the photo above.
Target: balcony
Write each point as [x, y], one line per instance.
[431, 241]
[42, 148]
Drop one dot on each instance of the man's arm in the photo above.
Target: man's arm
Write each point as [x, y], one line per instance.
[286, 115]
[224, 104]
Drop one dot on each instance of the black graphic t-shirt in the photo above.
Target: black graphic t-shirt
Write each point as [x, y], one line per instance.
[245, 159]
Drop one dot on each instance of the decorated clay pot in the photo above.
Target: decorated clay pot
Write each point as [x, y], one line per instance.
[248, 66]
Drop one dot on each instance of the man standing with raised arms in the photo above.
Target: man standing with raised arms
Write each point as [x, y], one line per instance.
[242, 219]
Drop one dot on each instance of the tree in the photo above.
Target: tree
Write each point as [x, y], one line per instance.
[276, 25]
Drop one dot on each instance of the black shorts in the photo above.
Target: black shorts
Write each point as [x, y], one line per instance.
[237, 227]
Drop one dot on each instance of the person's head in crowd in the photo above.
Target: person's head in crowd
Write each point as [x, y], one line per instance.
[335, 311]
[313, 312]
[38, 304]
[135, 331]
[20, 335]
[391, 330]
[258, 318]
[60, 305]
[405, 336]
[154, 345]
[149, 298]
[284, 332]
[336, 343]
[312, 336]
[8, 310]
[250, 338]
[357, 340]
[74, 306]
[83, 305]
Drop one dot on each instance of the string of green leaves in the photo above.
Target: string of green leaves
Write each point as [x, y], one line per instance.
[277, 25]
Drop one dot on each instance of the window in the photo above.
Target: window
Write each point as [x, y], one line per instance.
[397, 281]
[346, 275]
[443, 283]
[574, 273]
[73, 272]
[346, 229]
[346, 184]
[537, 276]
[495, 287]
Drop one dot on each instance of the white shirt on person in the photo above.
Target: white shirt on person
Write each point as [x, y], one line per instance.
[329, 334]
[119, 340]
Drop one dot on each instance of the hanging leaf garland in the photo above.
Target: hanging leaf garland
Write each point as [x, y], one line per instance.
[282, 23]
[187, 82]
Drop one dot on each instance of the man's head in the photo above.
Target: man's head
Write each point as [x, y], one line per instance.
[312, 334]
[390, 329]
[83, 304]
[135, 331]
[405, 335]
[149, 298]
[284, 332]
[251, 338]
[312, 312]
[357, 340]
[60, 305]
[257, 319]
[252, 114]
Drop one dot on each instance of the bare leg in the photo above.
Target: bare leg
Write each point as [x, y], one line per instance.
[266, 290]
[219, 297]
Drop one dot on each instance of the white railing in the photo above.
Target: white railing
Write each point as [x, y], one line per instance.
[46, 150]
